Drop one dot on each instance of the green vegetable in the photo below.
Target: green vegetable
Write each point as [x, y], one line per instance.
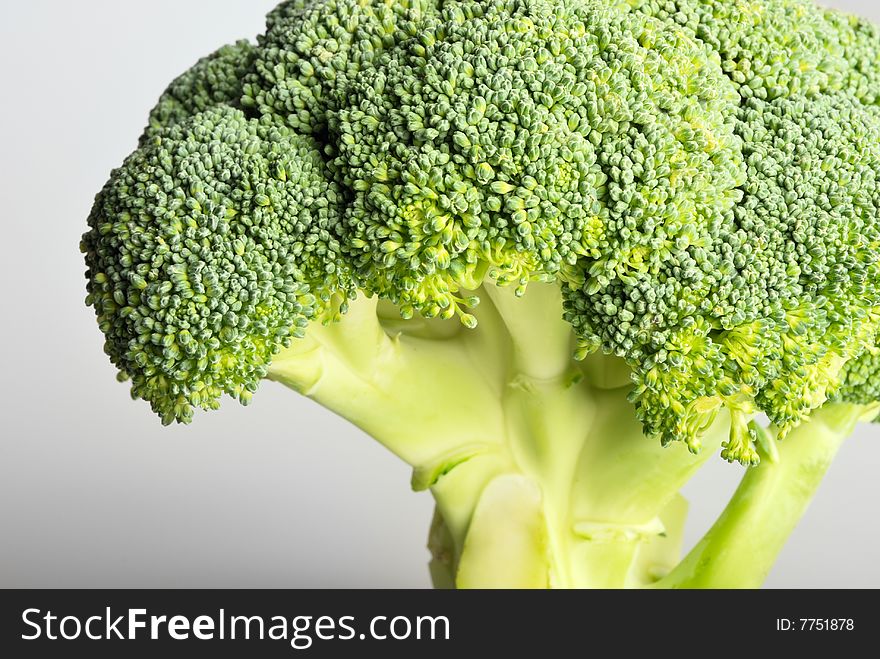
[553, 254]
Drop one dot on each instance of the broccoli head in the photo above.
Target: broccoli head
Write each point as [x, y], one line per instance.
[508, 238]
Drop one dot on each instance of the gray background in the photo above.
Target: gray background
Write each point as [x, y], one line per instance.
[94, 492]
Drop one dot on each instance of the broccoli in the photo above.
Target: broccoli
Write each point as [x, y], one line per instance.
[554, 254]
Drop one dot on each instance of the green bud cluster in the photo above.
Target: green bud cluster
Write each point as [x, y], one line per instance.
[520, 139]
[699, 176]
[313, 49]
[209, 249]
[213, 81]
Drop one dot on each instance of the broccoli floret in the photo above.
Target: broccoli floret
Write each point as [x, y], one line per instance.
[313, 49]
[214, 80]
[799, 249]
[777, 296]
[858, 42]
[768, 48]
[508, 139]
[508, 238]
[209, 249]
[860, 379]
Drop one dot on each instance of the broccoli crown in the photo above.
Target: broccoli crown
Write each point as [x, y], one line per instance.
[699, 176]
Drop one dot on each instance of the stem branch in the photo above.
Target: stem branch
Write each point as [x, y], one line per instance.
[740, 548]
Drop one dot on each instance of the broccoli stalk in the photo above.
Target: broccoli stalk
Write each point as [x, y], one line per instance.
[541, 474]
[741, 547]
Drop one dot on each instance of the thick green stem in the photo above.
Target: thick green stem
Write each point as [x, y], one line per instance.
[739, 550]
[626, 483]
[539, 468]
[542, 343]
[605, 495]
[426, 400]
